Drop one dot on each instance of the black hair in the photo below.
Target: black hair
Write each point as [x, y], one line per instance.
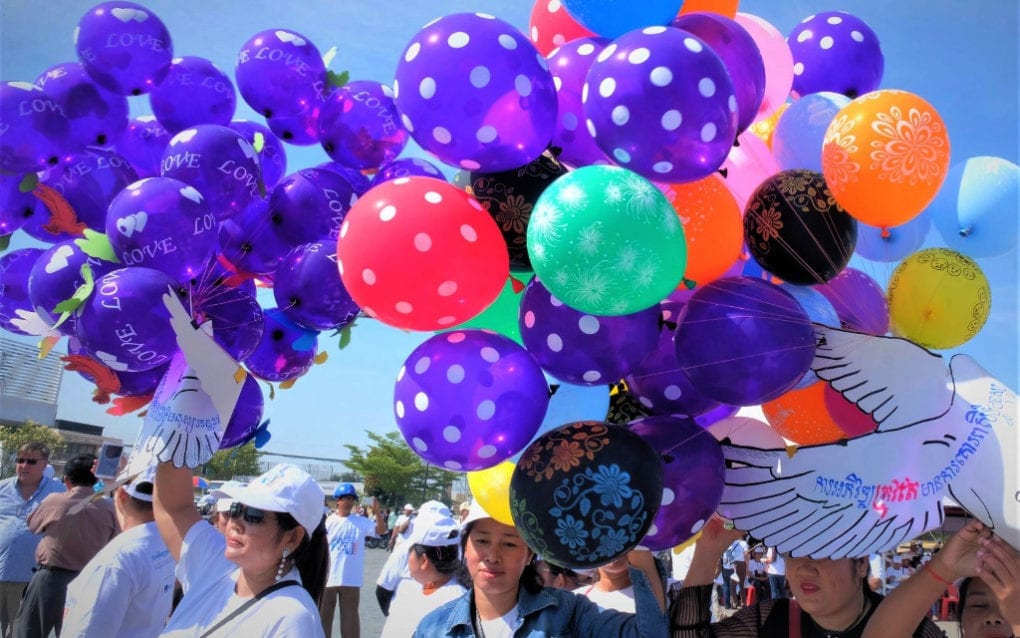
[311, 556]
[530, 578]
[79, 471]
[137, 503]
[961, 604]
[445, 559]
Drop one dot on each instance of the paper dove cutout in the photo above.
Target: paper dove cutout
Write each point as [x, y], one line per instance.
[194, 401]
[941, 432]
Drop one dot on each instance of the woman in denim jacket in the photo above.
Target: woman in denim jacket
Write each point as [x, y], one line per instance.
[506, 598]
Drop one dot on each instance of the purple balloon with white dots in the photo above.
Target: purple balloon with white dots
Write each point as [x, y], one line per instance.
[469, 399]
[476, 93]
[580, 348]
[569, 64]
[660, 102]
[835, 51]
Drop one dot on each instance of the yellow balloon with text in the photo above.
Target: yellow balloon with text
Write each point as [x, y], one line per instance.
[938, 298]
[491, 488]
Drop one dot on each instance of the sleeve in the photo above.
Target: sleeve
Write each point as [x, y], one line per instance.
[41, 516]
[691, 614]
[202, 555]
[103, 590]
[588, 619]
[366, 525]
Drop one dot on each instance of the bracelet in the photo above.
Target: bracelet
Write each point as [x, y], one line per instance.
[936, 576]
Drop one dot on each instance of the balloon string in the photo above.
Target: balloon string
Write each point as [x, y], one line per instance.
[745, 357]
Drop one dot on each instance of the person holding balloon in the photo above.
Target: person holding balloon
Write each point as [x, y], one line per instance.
[506, 598]
[831, 597]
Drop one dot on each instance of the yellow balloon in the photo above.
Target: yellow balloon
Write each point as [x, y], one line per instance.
[765, 128]
[687, 543]
[491, 488]
[938, 298]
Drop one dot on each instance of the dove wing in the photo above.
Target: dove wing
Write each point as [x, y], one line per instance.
[894, 380]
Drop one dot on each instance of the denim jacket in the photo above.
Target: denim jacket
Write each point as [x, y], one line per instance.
[557, 613]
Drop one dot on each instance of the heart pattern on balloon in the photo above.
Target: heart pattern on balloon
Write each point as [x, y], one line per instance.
[111, 361]
[58, 260]
[131, 224]
[293, 38]
[126, 14]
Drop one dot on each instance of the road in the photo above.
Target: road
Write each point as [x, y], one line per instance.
[372, 619]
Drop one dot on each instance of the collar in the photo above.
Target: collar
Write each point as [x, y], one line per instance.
[528, 604]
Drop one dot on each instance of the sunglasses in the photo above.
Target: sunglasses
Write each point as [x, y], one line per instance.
[27, 461]
[251, 515]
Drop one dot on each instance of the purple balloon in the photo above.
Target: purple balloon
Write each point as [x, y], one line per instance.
[359, 125]
[89, 180]
[859, 301]
[162, 223]
[194, 92]
[406, 167]
[15, 268]
[469, 399]
[354, 177]
[124, 47]
[693, 477]
[308, 288]
[98, 117]
[124, 324]
[835, 51]
[569, 65]
[475, 92]
[56, 276]
[279, 73]
[247, 415]
[661, 103]
[309, 205]
[286, 350]
[35, 130]
[658, 382]
[219, 162]
[251, 242]
[738, 51]
[272, 157]
[143, 144]
[580, 348]
[743, 341]
[236, 316]
[132, 384]
[297, 130]
[16, 207]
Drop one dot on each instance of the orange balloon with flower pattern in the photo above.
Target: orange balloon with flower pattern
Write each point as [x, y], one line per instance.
[713, 227]
[885, 156]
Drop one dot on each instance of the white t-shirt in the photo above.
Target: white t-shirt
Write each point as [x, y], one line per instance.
[209, 580]
[346, 536]
[620, 600]
[778, 566]
[410, 605]
[682, 562]
[734, 554]
[502, 627]
[125, 590]
[395, 568]
[403, 536]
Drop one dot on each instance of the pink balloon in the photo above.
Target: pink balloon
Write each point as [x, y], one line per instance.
[848, 416]
[778, 59]
[749, 163]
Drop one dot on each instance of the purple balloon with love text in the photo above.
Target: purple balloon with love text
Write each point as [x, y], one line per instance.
[56, 276]
[35, 130]
[359, 126]
[272, 156]
[124, 47]
[194, 92]
[142, 144]
[308, 288]
[15, 267]
[98, 117]
[89, 180]
[309, 205]
[279, 73]
[285, 351]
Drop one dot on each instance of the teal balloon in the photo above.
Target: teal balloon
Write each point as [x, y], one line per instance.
[501, 316]
[606, 241]
[976, 208]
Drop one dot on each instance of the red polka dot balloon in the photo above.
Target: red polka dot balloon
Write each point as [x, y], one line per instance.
[550, 26]
[418, 253]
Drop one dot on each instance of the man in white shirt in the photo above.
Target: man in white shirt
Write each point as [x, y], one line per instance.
[346, 532]
[125, 591]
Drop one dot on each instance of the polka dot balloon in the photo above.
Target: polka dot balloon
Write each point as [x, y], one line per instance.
[569, 65]
[580, 348]
[473, 91]
[551, 26]
[469, 399]
[421, 254]
[835, 51]
[660, 102]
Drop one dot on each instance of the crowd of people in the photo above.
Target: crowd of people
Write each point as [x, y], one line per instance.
[275, 558]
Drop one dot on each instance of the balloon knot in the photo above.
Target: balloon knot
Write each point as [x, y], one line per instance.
[965, 232]
[885, 233]
[690, 284]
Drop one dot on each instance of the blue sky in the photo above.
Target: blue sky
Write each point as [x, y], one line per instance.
[962, 58]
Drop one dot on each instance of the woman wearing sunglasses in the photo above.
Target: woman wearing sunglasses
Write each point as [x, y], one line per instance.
[265, 575]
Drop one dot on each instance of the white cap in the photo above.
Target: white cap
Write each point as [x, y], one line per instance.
[408, 506]
[475, 513]
[141, 487]
[223, 504]
[286, 488]
[434, 526]
[228, 490]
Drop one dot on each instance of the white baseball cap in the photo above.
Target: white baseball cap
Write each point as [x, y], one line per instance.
[228, 490]
[141, 486]
[408, 506]
[475, 513]
[286, 488]
[434, 526]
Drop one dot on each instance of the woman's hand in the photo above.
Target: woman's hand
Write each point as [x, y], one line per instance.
[958, 557]
[998, 565]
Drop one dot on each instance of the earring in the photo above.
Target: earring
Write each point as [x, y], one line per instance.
[283, 561]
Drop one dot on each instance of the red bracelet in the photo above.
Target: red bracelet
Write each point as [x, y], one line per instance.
[936, 576]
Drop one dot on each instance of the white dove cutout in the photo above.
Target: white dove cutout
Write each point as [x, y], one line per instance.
[942, 431]
[194, 401]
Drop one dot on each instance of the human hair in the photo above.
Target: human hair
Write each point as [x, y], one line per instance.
[79, 471]
[145, 507]
[963, 589]
[35, 446]
[311, 556]
[530, 578]
[445, 559]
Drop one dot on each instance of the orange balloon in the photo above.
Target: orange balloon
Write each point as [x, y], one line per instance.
[885, 156]
[801, 416]
[712, 224]
[726, 8]
[766, 127]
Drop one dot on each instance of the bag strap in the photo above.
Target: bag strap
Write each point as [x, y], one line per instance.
[251, 601]
[794, 625]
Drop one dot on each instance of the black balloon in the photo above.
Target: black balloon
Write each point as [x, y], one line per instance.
[510, 195]
[795, 229]
[586, 493]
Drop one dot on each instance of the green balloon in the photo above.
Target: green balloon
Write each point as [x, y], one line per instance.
[501, 315]
[606, 241]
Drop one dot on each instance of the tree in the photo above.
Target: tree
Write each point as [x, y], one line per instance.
[242, 460]
[13, 437]
[394, 473]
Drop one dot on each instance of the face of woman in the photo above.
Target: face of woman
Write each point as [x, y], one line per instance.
[495, 556]
[980, 617]
[257, 546]
[829, 590]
